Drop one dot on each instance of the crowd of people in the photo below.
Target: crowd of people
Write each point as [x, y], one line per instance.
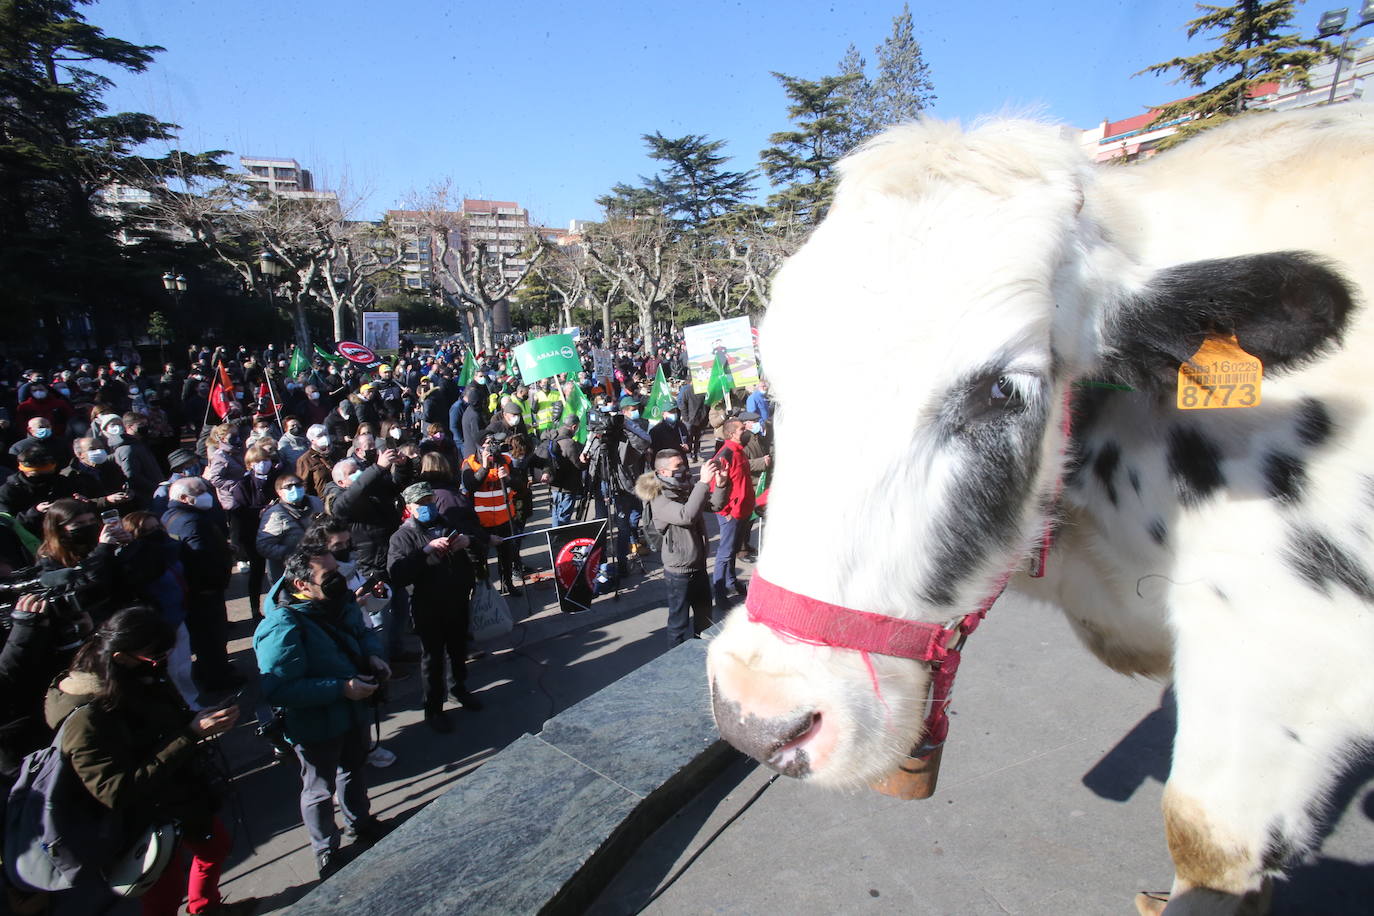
[361, 504]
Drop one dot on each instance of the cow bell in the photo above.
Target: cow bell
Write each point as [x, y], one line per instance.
[915, 778]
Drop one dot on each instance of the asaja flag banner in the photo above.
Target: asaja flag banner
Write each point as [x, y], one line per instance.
[577, 405]
[659, 397]
[718, 384]
[299, 364]
[577, 551]
[329, 357]
[729, 342]
[547, 356]
[221, 392]
[469, 370]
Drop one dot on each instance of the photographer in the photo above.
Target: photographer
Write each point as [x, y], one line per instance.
[320, 663]
[631, 450]
[430, 555]
[487, 479]
[733, 478]
[135, 747]
[28, 494]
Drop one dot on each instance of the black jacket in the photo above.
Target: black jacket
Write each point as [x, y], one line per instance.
[368, 506]
[206, 557]
[442, 585]
[20, 496]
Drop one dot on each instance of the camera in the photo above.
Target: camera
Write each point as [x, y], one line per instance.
[59, 589]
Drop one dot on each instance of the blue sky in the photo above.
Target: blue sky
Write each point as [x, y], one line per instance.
[544, 102]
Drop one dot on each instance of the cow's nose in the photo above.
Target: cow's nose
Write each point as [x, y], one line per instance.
[779, 742]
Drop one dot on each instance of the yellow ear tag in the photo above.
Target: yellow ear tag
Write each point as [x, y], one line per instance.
[1219, 375]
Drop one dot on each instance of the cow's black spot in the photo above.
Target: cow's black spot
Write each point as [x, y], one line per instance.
[1194, 464]
[1314, 422]
[1134, 478]
[1104, 468]
[1322, 563]
[1285, 477]
[1158, 531]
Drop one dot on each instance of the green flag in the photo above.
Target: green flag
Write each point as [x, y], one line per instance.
[330, 357]
[660, 399]
[719, 383]
[469, 369]
[299, 364]
[547, 356]
[576, 405]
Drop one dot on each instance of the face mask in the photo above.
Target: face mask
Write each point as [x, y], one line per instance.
[314, 395]
[335, 588]
[355, 475]
[115, 431]
[260, 468]
[321, 443]
[343, 554]
[97, 456]
[42, 433]
[634, 415]
[133, 391]
[204, 501]
[293, 494]
[40, 395]
[293, 430]
[424, 514]
[755, 428]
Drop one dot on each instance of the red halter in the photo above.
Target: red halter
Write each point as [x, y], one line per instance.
[823, 624]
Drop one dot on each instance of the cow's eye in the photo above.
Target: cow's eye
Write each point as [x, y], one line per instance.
[1002, 393]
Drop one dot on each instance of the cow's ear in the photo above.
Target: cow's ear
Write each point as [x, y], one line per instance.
[1285, 307]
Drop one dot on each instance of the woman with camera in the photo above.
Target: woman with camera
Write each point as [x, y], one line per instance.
[135, 746]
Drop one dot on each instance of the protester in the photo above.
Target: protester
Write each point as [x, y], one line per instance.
[429, 555]
[319, 662]
[285, 522]
[734, 516]
[27, 495]
[564, 471]
[678, 512]
[193, 521]
[486, 478]
[153, 573]
[314, 467]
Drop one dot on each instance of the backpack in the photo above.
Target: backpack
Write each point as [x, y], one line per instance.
[56, 833]
[652, 535]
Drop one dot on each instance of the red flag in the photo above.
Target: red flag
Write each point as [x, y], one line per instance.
[221, 392]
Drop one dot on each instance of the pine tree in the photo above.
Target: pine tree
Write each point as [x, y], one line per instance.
[694, 185]
[1256, 43]
[801, 162]
[901, 89]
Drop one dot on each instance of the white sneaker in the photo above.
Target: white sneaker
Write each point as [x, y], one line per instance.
[380, 757]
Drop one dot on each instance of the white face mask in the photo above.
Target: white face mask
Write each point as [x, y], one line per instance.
[97, 456]
[114, 430]
[320, 442]
[204, 501]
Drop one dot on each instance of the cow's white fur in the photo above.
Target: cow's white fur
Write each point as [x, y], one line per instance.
[944, 248]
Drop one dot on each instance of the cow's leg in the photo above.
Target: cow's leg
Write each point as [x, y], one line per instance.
[1260, 738]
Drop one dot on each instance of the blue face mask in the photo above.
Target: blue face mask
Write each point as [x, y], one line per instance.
[355, 475]
[42, 433]
[294, 494]
[424, 514]
[634, 415]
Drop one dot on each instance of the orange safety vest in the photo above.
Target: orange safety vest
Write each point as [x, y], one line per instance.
[492, 507]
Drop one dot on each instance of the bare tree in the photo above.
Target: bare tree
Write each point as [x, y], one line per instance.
[641, 253]
[465, 265]
[361, 253]
[756, 241]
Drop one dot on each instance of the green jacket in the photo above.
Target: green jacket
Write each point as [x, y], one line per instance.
[303, 669]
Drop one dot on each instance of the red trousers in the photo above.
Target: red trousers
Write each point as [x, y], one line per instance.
[202, 886]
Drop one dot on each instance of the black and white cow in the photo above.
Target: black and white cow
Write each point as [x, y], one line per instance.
[1229, 550]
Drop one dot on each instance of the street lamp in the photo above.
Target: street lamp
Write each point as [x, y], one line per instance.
[175, 284]
[1331, 24]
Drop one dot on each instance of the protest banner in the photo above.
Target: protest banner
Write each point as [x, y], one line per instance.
[547, 356]
[576, 551]
[732, 343]
[603, 363]
[356, 353]
[382, 333]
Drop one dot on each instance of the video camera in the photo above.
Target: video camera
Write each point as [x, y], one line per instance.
[59, 589]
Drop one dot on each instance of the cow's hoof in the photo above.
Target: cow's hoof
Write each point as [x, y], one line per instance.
[1151, 903]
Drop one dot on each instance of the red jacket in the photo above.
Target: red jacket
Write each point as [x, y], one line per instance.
[740, 503]
[53, 408]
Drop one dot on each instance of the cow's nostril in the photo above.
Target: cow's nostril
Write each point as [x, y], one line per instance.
[779, 742]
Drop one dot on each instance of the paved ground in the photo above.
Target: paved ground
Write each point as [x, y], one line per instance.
[1048, 803]
[553, 660]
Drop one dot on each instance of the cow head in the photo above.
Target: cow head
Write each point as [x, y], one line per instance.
[974, 277]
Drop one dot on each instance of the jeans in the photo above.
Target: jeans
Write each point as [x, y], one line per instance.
[326, 766]
[689, 604]
[734, 533]
[563, 504]
[628, 510]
